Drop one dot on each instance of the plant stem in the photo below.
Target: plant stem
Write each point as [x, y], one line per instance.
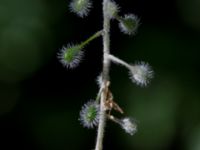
[105, 75]
[118, 61]
[118, 17]
[94, 36]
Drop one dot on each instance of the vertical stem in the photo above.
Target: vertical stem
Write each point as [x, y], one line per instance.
[105, 75]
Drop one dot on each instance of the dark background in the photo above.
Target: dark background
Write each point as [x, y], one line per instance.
[40, 100]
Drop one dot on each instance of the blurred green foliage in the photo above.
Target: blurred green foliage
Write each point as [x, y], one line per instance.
[25, 29]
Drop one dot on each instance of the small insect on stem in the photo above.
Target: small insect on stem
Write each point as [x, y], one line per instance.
[111, 104]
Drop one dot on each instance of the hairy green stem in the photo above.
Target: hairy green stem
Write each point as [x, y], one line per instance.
[119, 18]
[105, 75]
[94, 36]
